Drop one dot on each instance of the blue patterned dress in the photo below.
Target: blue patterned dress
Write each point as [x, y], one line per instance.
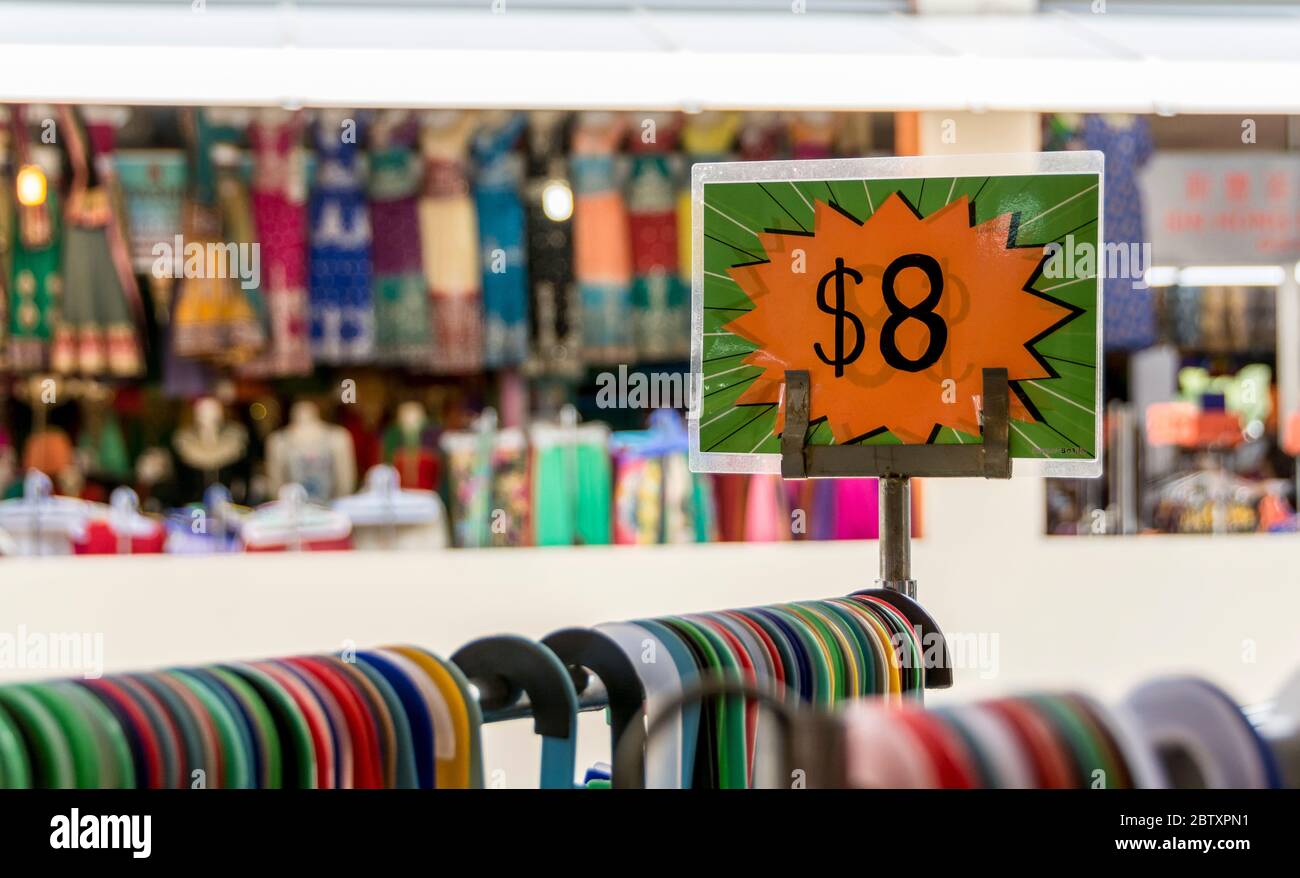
[339, 266]
[502, 229]
[1130, 316]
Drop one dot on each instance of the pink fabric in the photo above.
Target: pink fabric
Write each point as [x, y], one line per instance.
[857, 509]
[765, 520]
[280, 218]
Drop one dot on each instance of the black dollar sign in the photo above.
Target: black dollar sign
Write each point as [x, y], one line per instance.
[841, 359]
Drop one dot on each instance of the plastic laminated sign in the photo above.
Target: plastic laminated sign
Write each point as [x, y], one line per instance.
[894, 282]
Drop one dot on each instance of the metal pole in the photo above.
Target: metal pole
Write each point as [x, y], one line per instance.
[896, 535]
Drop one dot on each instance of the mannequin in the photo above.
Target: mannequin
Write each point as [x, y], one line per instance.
[408, 446]
[211, 450]
[317, 455]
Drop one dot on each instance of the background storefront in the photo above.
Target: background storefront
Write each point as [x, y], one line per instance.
[1219, 295]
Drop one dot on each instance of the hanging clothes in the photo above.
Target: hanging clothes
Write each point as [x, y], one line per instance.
[212, 317]
[857, 509]
[498, 180]
[278, 196]
[414, 457]
[571, 484]
[706, 137]
[449, 240]
[250, 321]
[602, 243]
[102, 447]
[153, 187]
[7, 205]
[35, 284]
[1129, 313]
[766, 518]
[339, 267]
[812, 135]
[661, 303]
[762, 138]
[511, 517]
[402, 323]
[96, 332]
[554, 309]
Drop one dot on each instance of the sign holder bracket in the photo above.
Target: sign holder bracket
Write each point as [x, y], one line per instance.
[895, 465]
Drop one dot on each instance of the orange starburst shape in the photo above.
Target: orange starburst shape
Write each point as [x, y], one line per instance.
[895, 318]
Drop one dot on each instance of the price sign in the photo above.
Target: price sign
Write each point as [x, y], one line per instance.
[894, 283]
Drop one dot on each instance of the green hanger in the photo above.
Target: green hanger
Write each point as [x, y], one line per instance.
[236, 762]
[850, 639]
[912, 658]
[822, 688]
[736, 728]
[265, 736]
[77, 732]
[52, 755]
[14, 765]
[291, 726]
[1085, 709]
[116, 764]
[1086, 756]
[881, 644]
[244, 726]
[865, 645]
[823, 637]
[732, 771]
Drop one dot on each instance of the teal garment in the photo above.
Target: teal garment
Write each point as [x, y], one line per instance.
[572, 491]
[106, 449]
[706, 515]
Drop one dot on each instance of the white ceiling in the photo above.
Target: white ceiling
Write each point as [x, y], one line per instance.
[350, 54]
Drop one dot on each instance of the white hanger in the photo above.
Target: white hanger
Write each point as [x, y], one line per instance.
[568, 431]
[39, 513]
[292, 520]
[384, 502]
[124, 518]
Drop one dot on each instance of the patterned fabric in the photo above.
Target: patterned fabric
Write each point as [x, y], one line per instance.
[281, 230]
[342, 316]
[35, 288]
[1129, 322]
[659, 299]
[602, 244]
[813, 135]
[212, 317]
[502, 238]
[762, 139]
[449, 235]
[510, 486]
[402, 323]
[96, 331]
[706, 137]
